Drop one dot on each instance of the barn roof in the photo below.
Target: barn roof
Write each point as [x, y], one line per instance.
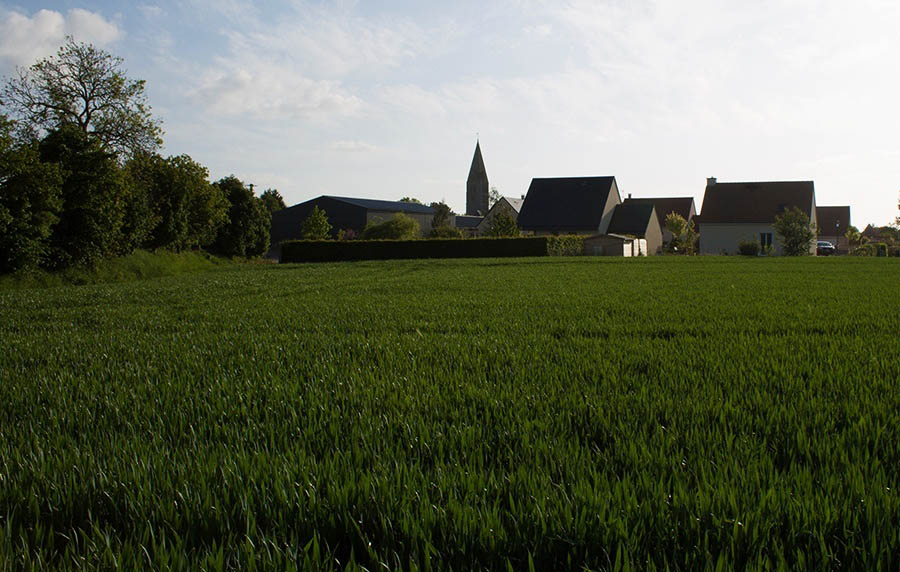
[755, 202]
[830, 217]
[379, 205]
[573, 203]
[632, 218]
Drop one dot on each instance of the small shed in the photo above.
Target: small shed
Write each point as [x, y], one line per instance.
[614, 245]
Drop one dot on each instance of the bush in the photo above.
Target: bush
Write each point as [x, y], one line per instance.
[748, 248]
[401, 227]
[445, 232]
[863, 250]
[880, 249]
[331, 251]
[569, 245]
[795, 233]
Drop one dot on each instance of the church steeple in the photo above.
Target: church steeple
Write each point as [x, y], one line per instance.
[477, 185]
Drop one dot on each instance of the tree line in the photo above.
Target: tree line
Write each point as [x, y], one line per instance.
[81, 177]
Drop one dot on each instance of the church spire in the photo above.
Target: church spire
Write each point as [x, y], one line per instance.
[477, 190]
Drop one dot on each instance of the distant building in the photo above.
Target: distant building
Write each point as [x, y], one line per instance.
[833, 223]
[344, 213]
[468, 225]
[637, 219]
[477, 190]
[507, 205]
[664, 206]
[736, 212]
[574, 205]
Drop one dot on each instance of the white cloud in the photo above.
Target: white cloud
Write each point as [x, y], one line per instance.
[270, 91]
[25, 39]
[352, 146]
[150, 11]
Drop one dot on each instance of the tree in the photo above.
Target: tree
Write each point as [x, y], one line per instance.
[494, 197]
[273, 200]
[94, 195]
[316, 225]
[398, 228]
[853, 236]
[29, 203]
[683, 234]
[442, 214]
[207, 214]
[412, 200]
[246, 234]
[795, 232]
[86, 87]
[503, 224]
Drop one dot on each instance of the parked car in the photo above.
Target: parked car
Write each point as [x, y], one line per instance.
[824, 248]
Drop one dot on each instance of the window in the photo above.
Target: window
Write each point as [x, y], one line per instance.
[765, 239]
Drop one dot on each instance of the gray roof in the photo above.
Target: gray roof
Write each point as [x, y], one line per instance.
[830, 217]
[467, 221]
[667, 205]
[632, 218]
[379, 205]
[565, 204]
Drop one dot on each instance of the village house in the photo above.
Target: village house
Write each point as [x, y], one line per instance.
[638, 219]
[736, 212]
[833, 224]
[664, 206]
[575, 205]
[506, 205]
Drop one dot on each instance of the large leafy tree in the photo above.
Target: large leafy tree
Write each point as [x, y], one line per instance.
[94, 196]
[246, 233]
[86, 87]
[397, 228]
[29, 203]
[177, 190]
[795, 232]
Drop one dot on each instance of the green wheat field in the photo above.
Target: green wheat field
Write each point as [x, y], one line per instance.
[511, 414]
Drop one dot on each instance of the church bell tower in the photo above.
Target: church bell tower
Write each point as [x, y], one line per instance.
[477, 186]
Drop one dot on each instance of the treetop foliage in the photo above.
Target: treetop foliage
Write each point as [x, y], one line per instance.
[84, 86]
[398, 227]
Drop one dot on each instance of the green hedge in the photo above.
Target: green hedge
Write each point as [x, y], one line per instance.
[329, 251]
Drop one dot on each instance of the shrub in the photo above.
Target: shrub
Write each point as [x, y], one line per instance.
[316, 225]
[401, 227]
[795, 232]
[568, 245]
[863, 250]
[445, 232]
[748, 248]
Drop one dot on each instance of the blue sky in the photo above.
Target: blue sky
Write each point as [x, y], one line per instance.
[384, 99]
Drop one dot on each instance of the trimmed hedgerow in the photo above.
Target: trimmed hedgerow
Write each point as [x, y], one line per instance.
[331, 251]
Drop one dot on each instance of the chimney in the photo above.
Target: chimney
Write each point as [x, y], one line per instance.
[710, 181]
[523, 197]
[629, 195]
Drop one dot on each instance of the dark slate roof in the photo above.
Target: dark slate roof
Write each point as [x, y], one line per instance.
[755, 202]
[666, 205]
[466, 221]
[631, 218]
[379, 205]
[562, 204]
[828, 217]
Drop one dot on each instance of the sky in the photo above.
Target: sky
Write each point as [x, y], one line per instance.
[386, 99]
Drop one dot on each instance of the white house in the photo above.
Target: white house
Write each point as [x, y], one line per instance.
[736, 212]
